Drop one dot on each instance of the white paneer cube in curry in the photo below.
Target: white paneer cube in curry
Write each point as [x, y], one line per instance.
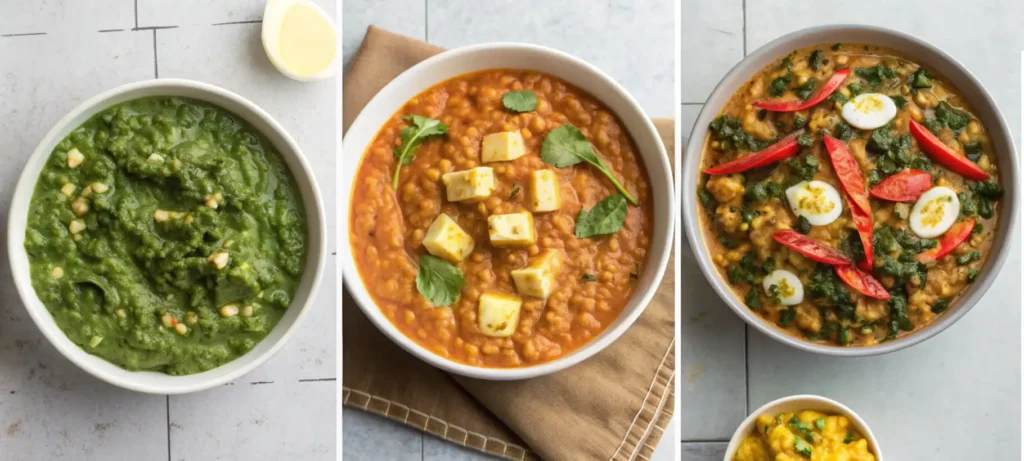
[472, 185]
[446, 240]
[511, 230]
[498, 314]
[537, 279]
[502, 147]
[543, 191]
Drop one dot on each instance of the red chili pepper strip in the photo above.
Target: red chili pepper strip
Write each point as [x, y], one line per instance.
[811, 248]
[905, 186]
[849, 172]
[945, 156]
[862, 281]
[950, 240]
[865, 227]
[785, 148]
[794, 105]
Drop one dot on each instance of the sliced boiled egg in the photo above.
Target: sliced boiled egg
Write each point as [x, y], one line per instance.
[817, 201]
[300, 39]
[791, 289]
[935, 212]
[869, 111]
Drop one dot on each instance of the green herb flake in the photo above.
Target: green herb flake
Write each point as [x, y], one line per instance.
[803, 226]
[420, 129]
[603, 219]
[566, 146]
[786, 317]
[815, 59]
[728, 242]
[706, 198]
[968, 258]
[802, 447]
[778, 86]
[940, 306]
[804, 91]
[820, 424]
[875, 76]
[799, 122]
[589, 278]
[953, 118]
[837, 47]
[848, 439]
[921, 79]
[753, 300]
[900, 101]
[520, 101]
[515, 192]
[972, 275]
[439, 281]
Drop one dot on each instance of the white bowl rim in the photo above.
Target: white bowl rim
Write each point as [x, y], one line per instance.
[351, 277]
[40, 315]
[745, 427]
[1009, 214]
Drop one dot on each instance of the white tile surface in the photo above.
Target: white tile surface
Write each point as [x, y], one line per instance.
[703, 451]
[406, 17]
[712, 42]
[970, 372]
[262, 422]
[48, 408]
[62, 16]
[630, 40]
[369, 437]
[159, 13]
[580, 27]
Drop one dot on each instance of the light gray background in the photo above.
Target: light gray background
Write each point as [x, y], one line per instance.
[630, 40]
[53, 56]
[956, 396]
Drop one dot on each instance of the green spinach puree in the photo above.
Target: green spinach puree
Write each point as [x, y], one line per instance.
[164, 234]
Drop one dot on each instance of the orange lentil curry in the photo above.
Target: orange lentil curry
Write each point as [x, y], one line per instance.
[501, 218]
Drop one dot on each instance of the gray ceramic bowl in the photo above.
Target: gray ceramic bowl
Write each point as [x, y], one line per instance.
[923, 53]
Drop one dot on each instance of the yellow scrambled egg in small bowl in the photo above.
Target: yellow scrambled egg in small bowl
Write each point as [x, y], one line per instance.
[787, 430]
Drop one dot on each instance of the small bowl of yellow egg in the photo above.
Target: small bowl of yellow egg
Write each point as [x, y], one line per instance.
[803, 427]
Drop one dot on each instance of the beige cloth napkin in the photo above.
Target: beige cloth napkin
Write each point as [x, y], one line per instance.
[613, 406]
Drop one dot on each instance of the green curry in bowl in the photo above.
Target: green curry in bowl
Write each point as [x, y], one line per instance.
[848, 195]
[164, 234]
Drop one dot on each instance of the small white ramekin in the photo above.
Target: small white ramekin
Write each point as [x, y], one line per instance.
[147, 381]
[795, 403]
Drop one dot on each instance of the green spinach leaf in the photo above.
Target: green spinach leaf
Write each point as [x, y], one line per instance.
[566, 146]
[420, 129]
[439, 281]
[604, 218]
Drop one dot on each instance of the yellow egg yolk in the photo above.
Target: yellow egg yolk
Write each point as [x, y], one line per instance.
[815, 202]
[933, 211]
[308, 43]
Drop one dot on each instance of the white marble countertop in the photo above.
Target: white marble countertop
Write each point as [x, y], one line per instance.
[956, 396]
[54, 56]
[630, 40]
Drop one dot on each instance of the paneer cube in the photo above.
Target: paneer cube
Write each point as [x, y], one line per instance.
[511, 230]
[544, 193]
[470, 185]
[446, 240]
[537, 279]
[502, 147]
[499, 314]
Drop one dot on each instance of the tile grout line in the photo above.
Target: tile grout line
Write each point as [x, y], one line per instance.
[695, 441]
[168, 428]
[156, 65]
[136, 14]
[426, 21]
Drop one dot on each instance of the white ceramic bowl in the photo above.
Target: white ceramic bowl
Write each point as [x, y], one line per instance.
[146, 381]
[796, 403]
[922, 52]
[517, 56]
